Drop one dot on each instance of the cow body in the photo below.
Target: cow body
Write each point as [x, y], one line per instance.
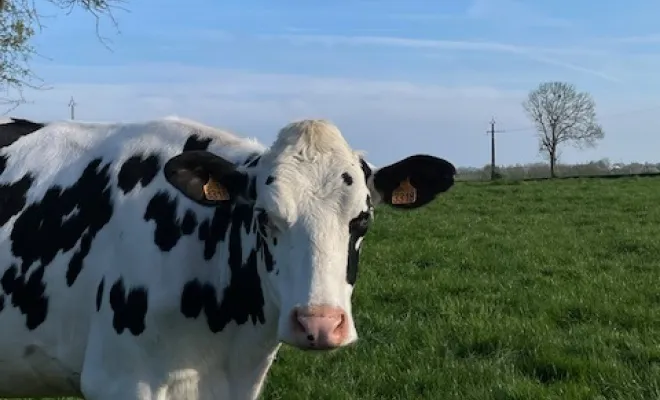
[119, 280]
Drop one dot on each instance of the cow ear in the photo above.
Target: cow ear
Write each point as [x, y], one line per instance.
[413, 182]
[205, 178]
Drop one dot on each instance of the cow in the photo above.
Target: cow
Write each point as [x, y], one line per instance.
[167, 259]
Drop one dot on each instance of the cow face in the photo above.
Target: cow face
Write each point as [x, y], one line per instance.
[313, 198]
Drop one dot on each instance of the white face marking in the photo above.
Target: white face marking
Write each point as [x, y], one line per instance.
[311, 210]
[358, 243]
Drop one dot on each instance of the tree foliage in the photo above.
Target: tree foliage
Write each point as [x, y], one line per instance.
[19, 22]
[561, 115]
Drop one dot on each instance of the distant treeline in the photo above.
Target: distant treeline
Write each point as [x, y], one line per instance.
[539, 171]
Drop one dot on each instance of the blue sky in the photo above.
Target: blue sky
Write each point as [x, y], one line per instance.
[398, 77]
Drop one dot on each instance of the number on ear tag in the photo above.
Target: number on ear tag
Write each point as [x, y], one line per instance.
[405, 193]
[213, 190]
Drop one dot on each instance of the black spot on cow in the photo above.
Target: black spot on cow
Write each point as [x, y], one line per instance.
[370, 203]
[8, 279]
[3, 164]
[194, 296]
[62, 219]
[130, 310]
[270, 180]
[26, 294]
[365, 169]
[252, 158]
[99, 294]
[2, 302]
[137, 168]
[348, 179]
[261, 240]
[252, 189]
[357, 228]
[162, 210]
[195, 142]
[189, 222]
[13, 197]
[17, 128]
[214, 231]
[241, 219]
[243, 298]
[77, 260]
[262, 222]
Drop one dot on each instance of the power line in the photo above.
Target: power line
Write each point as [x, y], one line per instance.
[492, 132]
[492, 147]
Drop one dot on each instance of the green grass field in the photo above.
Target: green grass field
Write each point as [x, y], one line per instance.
[545, 290]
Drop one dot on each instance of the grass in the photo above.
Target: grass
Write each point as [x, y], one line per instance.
[504, 291]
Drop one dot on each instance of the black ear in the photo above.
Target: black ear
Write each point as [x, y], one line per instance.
[414, 181]
[205, 178]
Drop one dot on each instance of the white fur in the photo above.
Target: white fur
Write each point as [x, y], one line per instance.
[76, 350]
[312, 205]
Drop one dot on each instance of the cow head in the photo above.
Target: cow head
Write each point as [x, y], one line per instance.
[314, 197]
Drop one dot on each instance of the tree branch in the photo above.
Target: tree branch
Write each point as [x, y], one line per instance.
[19, 22]
[562, 115]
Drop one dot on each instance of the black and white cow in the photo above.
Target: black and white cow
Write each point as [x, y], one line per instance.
[168, 259]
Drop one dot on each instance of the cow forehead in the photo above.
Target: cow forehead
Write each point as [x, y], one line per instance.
[324, 186]
[311, 167]
[329, 171]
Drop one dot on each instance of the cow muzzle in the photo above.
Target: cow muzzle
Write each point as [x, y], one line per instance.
[320, 327]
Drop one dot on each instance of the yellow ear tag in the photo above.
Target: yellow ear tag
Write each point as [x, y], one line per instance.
[213, 190]
[405, 193]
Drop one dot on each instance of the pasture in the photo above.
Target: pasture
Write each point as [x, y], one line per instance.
[504, 291]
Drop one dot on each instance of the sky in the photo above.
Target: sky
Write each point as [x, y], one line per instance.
[397, 77]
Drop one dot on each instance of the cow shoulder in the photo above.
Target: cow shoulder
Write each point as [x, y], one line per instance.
[175, 216]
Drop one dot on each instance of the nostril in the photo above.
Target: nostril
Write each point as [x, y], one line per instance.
[297, 323]
[319, 326]
[341, 324]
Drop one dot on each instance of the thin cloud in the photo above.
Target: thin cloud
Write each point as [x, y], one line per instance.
[578, 68]
[388, 119]
[539, 54]
[513, 12]
[643, 39]
[433, 17]
[237, 82]
[374, 114]
[195, 34]
[571, 66]
[466, 45]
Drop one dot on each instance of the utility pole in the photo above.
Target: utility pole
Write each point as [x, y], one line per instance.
[492, 147]
[72, 108]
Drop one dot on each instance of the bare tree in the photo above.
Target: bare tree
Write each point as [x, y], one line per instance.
[562, 115]
[19, 22]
